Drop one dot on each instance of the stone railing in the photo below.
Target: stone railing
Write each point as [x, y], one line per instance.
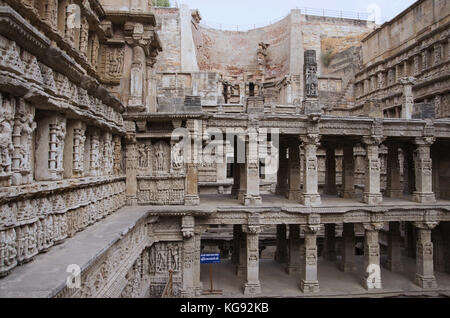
[33, 218]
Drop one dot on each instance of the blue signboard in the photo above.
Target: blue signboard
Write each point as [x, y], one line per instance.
[209, 258]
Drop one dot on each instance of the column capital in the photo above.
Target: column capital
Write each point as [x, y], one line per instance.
[310, 139]
[409, 80]
[373, 140]
[426, 225]
[424, 141]
[373, 226]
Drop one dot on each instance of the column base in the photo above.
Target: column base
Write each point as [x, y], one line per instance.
[425, 282]
[371, 282]
[241, 196]
[294, 195]
[348, 268]
[397, 193]
[309, 286]
[191, 200]
[252, 289]
[310, 199]
[372, 199]
[394, 267]
[424, 197]
[293, 269]
[132, 201]
[252, 200]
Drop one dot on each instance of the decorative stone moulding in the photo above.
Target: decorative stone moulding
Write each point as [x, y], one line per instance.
[32, 225]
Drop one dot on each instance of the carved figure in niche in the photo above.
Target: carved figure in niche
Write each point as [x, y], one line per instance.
[159, 158]
[60, 135]
[115, 60]
[27, 126]
[143, 159]
[311, 81]
[6, 146]
[73, 21]
[177, 155]
[160, 259]
[174, 257]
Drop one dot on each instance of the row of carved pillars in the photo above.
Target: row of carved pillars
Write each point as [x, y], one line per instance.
[300, 254]
[417, 174]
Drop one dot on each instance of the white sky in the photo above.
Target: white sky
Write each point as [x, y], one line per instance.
[247, 13]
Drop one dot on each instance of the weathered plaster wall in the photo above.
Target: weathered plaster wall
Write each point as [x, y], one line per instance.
[233, 53]
[169, 31]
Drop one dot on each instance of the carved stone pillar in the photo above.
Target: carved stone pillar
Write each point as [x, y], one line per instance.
[408, 97]
[330, 171]
[394, 188]
[281, 252]
[282, 174]
[252, 194]
[348, 175]
[188, 285]
[348, 249]
[394, 262]
[294, 261]
[198, 245]
[329, 251]
[372, 194]
[51, 132]
[424, 255]
[310, 194]
[191, 196]
[309, 282]
[372, 271]
[294, 171]
[423, 169]
[131, 163]
[252, 285]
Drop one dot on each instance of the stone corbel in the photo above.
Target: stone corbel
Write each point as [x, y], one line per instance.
[373, 226]
[188, 226]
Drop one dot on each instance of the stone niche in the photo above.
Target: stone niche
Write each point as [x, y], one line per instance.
[50, 139]
[165, 257]
[161, 176]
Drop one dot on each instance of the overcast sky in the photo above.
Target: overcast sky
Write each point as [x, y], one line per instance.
[247, 13]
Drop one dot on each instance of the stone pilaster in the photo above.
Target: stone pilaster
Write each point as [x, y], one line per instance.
[329, 251]
[282, 174]
[348, 173]
[189, 251]
[252, 285]
[372, 272]
[394, 263]
[281, 252]
[423, 169]
[394, 188]
[294, 171]
[424, 255]
[310, 194]
[131, 163]
[294, 264]
[330, 171]
[372, 194]
[252, 195]
[191, 196]
[309, 282]
[348, 249]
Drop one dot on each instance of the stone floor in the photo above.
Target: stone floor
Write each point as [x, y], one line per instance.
[218, 200]
[275, 282]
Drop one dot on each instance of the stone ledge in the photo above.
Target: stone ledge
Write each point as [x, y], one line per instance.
[46, 276]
